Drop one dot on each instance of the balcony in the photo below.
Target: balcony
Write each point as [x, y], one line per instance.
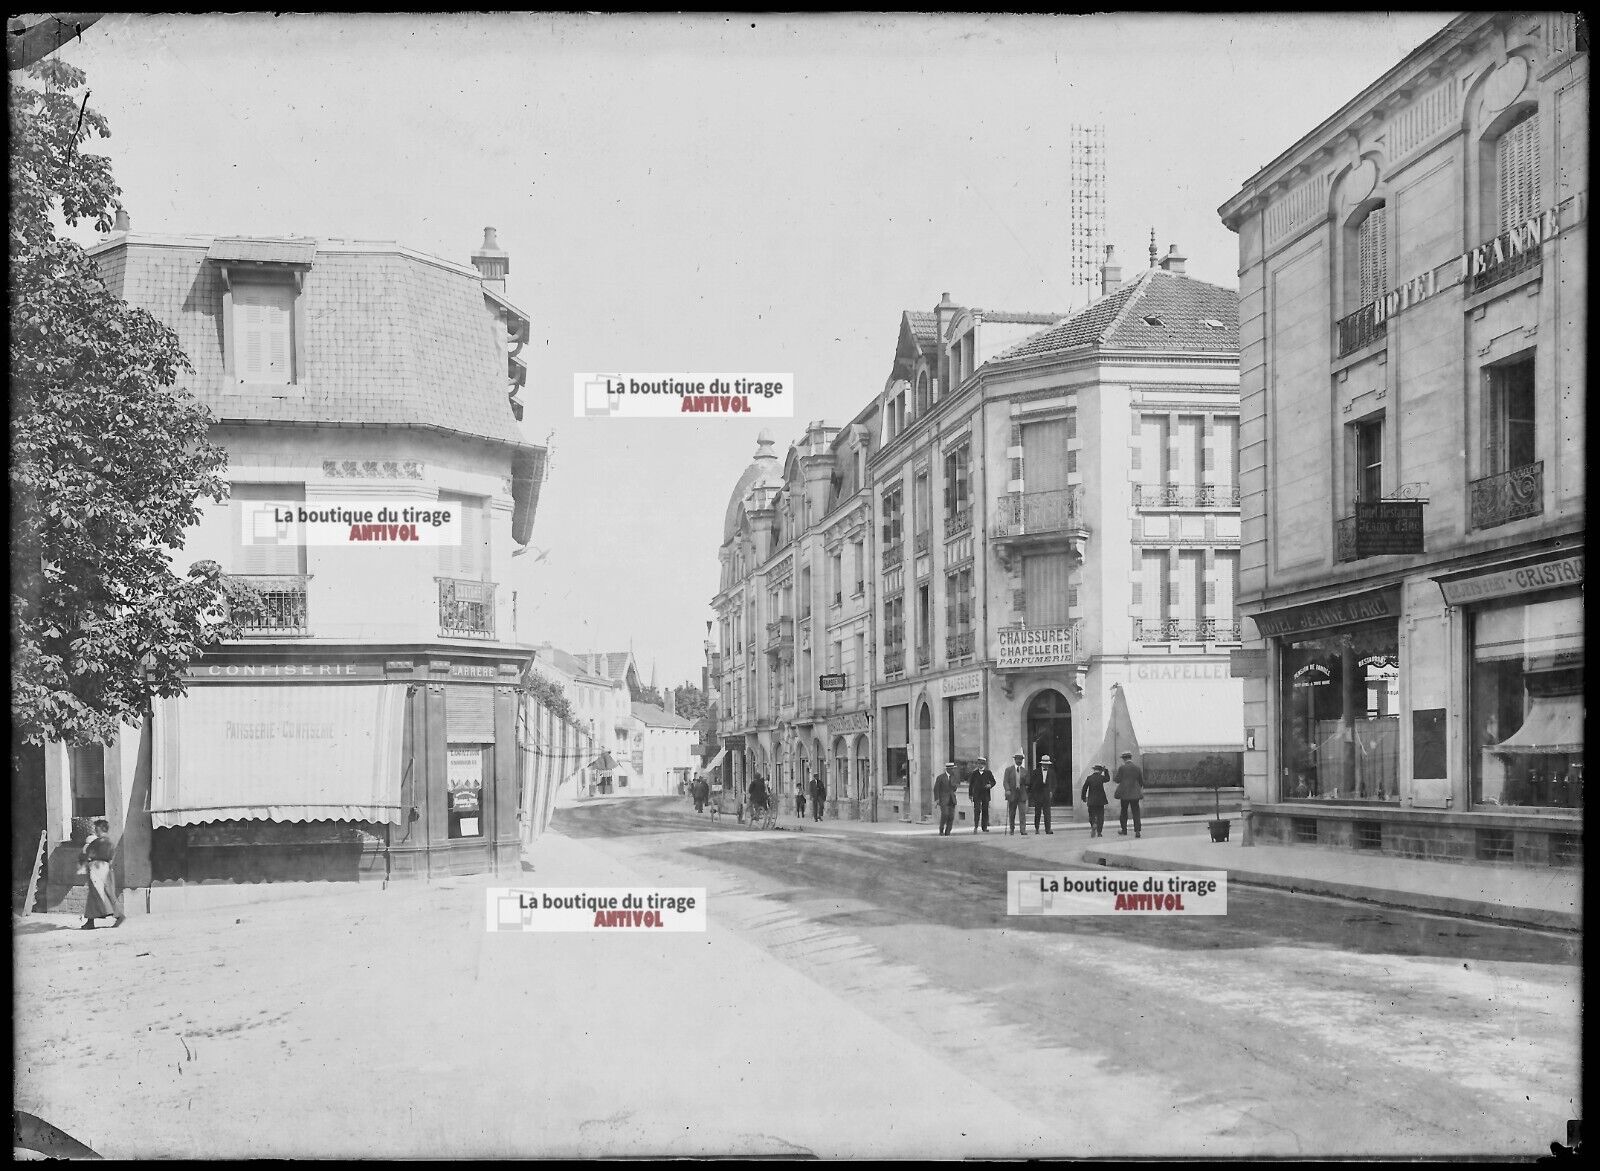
[1188, 630]
[893, 555]
[466, 608]
[1359, 329]
[958, 522]
[894, 662]
[1508, 496]
[271, 604]
[958, 646]
[921, 541]
[1506, 269]
[780, 635]
[1039, 522]
[1186, 496]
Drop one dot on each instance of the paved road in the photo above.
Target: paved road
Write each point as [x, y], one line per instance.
[1297, 1025]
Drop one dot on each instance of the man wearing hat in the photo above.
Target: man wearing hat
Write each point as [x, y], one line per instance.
[1040, 788]
[1016, 789]
[1129, 790]
[978, 786]
[944, 796]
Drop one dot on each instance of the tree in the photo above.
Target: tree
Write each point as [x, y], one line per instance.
[690, 702]
[109, 456]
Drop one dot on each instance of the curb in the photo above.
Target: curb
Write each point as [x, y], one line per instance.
[1569, 921]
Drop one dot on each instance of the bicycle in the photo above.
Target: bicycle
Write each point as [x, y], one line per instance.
[764, 816]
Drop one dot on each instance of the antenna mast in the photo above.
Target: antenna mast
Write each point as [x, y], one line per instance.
[1088, 226]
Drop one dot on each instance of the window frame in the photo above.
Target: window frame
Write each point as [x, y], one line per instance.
[240, 272]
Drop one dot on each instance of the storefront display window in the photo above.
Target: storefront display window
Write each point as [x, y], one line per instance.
[1341, 714]
[465, 796]
[1527, 704]
[964, 719]
[897, 739]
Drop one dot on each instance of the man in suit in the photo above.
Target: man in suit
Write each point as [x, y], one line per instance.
[1094, 799]
[819, 794]
[1016, 788]
[1040, 789]
[1129, 790]
[944, 796]
[979, 785]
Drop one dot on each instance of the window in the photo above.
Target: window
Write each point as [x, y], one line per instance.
[859, 560]
[897, 741]
[1225, 459]
[261, 545]
[1372, 263]
[958, 488]
[1153, 593]
[959, 613]
[468, 561]
[1516, 167]
[1225, 572]
[1510, 429]
[859, 663]
[805, 592]
[1044, 586]
[894, 635]
[1152, 457]
[924, 402]
[893, 509]
[1341, 714]
[87, 763]
[924, 639]
[1366, 454]
[1526, 703]
[263, 333]
[1191, 591]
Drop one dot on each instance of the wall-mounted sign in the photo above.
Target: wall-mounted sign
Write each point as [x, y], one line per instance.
[1249, 664]
[834, 682]
[1388, 526]
[849, 722]
[322, 670]
[1525, 579]
[1181, 670]
[465, 770]
[965, 683]
[1037, 646]
[1383, 603]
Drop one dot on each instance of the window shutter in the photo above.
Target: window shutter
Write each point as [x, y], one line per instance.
[264, 321]
[1044, 581]
[469, 714]
[1044, 448]
[1517, 165]
[262, 557]
[1372, 259]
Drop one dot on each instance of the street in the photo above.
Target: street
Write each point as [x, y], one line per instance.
[857, 993]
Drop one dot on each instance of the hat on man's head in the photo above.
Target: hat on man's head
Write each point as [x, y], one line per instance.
[1127, 756]
[1044, 760]
[982, 759]
[949, 764]
[1016, 756]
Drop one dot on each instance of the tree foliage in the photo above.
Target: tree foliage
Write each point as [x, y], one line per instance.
[689, 701]
[109, 456]
[551, 695]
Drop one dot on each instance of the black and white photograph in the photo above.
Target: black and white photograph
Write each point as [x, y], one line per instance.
[565, 565]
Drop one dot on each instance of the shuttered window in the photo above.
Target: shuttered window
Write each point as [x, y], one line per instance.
[1044, 584]
[1191, 433]
[1153, 449]
[470, 559]
[1517, 169]
[1226, 572]
[469, 713]
[1225, 445]
[263, 339]
[271, 549]
[1044, 455]
[1373, 256]
[1154, 588]
[1191, 587]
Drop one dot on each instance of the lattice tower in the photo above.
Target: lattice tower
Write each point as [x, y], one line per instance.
[1088, 204]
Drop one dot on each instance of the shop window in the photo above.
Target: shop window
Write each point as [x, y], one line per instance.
[1527, 704]
[897, 739]
[464, 796]
[1341, 715]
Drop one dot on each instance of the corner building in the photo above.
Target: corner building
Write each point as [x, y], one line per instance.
[1413, 288]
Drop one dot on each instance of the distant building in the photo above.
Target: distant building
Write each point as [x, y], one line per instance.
[663, 756]
[1414, 306]
[365, 725]
[600, 686]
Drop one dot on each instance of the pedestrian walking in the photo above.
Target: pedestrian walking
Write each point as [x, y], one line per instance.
[800, 801]
[1130, 790]
[1016, 789]
[103, 901]
[819, 794]
[980, 785]
[1094, 798]
[1040, 789]
[944, 796]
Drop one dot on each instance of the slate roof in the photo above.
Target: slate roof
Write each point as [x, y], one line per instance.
[1182, 306]
[660, 717]
[924, 327]
[392, 337]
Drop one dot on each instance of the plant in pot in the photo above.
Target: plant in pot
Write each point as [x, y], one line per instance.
[1214, 772]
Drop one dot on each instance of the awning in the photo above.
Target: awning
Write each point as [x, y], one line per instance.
[604, 763]
[710, 766]
[1187, 715]
[1554, 724]
[286, 752]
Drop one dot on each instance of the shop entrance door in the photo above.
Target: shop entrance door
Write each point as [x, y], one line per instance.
[1050, 734]
[925, 760]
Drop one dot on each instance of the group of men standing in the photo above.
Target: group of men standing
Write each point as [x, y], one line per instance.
[1024, 787]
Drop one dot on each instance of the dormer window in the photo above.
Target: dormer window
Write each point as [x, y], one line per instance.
[263, 330]
[1154, 319]
[263, 311]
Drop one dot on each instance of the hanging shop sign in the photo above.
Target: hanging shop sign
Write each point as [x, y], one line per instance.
[834, 682]
[849, 722]
[1388, 526]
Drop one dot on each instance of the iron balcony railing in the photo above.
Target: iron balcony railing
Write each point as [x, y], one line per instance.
[922, 540]
[1506, 269]
[1187, 630]
[959, 645]
[957, 522]
[893, 554]
[924, 655]
[278, 604]
[780, 632]
[1186, 495]
[1359, 329]
[894, 662]
[1026, 513]
[466, 608]
[1508, 496]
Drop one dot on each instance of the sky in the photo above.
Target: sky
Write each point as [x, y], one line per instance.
[711, 193]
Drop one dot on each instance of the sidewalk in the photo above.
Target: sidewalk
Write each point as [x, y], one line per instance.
[1524, 896]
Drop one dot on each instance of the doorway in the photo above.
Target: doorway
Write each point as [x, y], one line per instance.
[1050, 734]
[924, 760]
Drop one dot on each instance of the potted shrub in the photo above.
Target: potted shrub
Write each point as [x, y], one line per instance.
[1214, 771]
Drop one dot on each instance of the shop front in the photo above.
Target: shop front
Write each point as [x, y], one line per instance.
[1187, 719]
[329, 766]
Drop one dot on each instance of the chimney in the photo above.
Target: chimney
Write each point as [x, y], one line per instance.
[1152, 247]
[1110, 272]
[122, 223]
[492, 263]
[1173, 261]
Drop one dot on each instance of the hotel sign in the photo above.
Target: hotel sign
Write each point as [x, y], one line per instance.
[1388, 526]
[1037, 646]
[1525, 579]
[1320, 615]
[1528, 236]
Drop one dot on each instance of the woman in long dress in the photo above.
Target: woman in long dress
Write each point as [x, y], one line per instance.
[103, 901]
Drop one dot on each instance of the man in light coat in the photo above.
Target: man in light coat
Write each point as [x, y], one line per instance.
[1129, 790]
[1016, 788]
[944, 796]
[1041, 788]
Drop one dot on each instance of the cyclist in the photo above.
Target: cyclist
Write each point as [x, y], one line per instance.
[758, 797]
